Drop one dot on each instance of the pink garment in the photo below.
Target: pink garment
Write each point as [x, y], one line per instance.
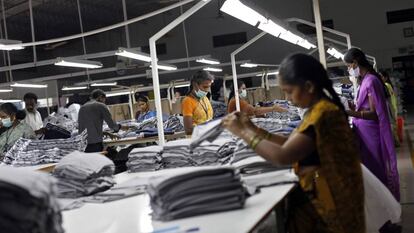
[375, 137]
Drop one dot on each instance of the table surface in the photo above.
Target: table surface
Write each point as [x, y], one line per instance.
[132, 215]
[135, 140]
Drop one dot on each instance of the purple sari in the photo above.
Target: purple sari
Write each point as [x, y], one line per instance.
[375, 137]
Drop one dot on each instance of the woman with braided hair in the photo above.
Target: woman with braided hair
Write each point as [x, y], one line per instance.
[372, 123]
[322, 150]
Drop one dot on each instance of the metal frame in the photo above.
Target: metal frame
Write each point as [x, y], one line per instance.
[154, 63]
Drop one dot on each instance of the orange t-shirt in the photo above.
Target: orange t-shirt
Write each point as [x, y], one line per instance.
[244, 107]
[200, 110]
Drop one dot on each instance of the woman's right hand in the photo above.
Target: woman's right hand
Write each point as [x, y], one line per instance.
[236, 122]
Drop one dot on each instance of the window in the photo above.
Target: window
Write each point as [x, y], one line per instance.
[229, 39]
[400, 16]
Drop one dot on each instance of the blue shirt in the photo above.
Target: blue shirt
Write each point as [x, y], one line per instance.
[146, 116]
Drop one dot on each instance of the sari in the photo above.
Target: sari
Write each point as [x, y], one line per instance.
[375, 136]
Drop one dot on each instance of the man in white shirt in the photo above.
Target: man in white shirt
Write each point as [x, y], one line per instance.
[33, 117]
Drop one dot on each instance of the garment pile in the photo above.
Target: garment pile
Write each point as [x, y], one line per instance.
[145, 159]
[83, 174]
[26, 152]
[28, 202]
[59, 119]
[193, 193]
[219, 109]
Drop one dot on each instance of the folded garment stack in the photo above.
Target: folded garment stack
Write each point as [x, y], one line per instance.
[145, 159]
[28, 202]
[177, 154]
[197, 192]
[82, 174]
[26, 152]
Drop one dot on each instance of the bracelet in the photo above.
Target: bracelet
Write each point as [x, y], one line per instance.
[255, 141]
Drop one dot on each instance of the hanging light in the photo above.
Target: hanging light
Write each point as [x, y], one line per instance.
[28, 85]
[118, 93]
[74, 88]
[123, 52]
[10, 45]
[249, 65]
[335, 53]
[10, 101]
[306, 44]
[69, 62]
[103, 84]
[211, 69]
[271, 73]
[182, 85]
[238, 10]
[166, 67]
[6, 90]
[272, 28]
[208, 61]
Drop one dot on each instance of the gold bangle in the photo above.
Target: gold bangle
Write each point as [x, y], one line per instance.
[255, 141]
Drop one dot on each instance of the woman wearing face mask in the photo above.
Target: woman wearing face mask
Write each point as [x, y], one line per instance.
[322, 150]
[246, 107]
[371, 122]
[144, 112]
[196, 107]
[11, 118]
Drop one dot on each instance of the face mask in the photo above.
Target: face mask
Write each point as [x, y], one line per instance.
[6, 122]
[354, 72]
[243, 93]
[200, 94]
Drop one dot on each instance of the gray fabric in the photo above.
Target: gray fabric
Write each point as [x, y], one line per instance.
[91, 117]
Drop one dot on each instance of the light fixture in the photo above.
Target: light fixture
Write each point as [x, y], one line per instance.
[208, 61]
[290, 37]
[10, 45]
[74, 88]
[166, 67]
[6, 90]
[29, 85]
[77, 63]
[272, 28]
[103, 84]
[10, 101]
[133, 54]
[335, 53]
[118, 93]
[249, 65]
[271, 73]
[182, 85]
[306, 44]
[238, 10]
[211, 69]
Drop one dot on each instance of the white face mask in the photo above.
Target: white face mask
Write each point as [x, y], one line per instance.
[354, 72]
[243, 93]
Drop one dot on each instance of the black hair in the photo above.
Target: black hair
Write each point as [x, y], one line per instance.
[11, 109]
[232, 93]
[97, 93]
[199, 77]
[141, 98]
[355, 54]
[299, 68]
[387, 77]
[30, 96]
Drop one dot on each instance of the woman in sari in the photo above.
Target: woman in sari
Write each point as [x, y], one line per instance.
[371, 122]
[322, 150]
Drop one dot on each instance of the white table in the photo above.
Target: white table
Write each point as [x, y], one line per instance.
[132, 215]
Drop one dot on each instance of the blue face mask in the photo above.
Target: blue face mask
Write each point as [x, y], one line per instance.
[200, 94]
[6, 122]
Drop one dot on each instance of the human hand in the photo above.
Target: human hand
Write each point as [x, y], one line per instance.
[351, 105]
[277, 108]
[237, 122]
[111, 136]
[41, 131]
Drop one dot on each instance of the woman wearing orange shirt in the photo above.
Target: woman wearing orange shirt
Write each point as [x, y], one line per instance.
[246, 107]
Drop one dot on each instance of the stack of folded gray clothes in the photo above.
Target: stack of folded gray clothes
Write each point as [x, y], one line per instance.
[28, 202]
[177, 154]
[145, 159]
[26, 152]
[82, 174]
[205, 154]
[202, 191]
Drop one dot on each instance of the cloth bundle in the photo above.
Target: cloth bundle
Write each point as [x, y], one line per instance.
[26, 152]
[59, 119]
[203, 191]
[273, 125]
[82, 174]
[177, 154]
[56, 132]
[145, 159]
[28, 202]
[219, 109]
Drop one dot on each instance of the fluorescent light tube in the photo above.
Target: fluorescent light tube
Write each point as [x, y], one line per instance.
[238, 10]
[29, 85]
[306, 44]
[10, 45]
[213, 69]
[118, 94]
[290, 37]
[166, 67]
[182, 85]
[77, 63]
[74, 88]
[6, 90]
[249, 65]
[133, 54]
[208, 61]
[272, 28]
[103, 84]
[335, 53]
[271, 73]
[10, 101]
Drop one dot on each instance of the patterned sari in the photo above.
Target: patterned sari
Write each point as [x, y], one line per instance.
[331, 198]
